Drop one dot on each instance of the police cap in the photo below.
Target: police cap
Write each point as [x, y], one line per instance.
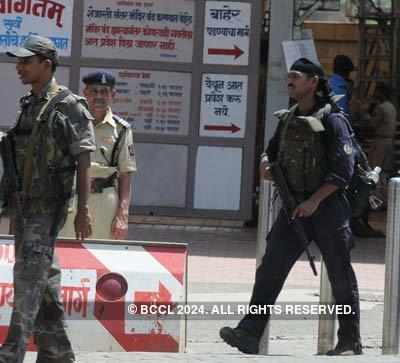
[99, 78]
[304, 65]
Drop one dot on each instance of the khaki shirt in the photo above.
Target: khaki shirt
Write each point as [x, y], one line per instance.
[106, 134]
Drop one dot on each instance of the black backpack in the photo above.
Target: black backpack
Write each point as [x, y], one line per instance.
[364, 179]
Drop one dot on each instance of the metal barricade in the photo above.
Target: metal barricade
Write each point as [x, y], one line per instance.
[267, 212]
[326, 327]
[391, 315]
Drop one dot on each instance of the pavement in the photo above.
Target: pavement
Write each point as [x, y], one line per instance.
[221, 268]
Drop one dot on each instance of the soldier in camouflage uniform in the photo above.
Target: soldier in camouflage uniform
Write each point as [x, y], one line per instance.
[53, 138]
[314, 149]
[112, 165]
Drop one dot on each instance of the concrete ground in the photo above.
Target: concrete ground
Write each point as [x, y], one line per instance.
[221, 267]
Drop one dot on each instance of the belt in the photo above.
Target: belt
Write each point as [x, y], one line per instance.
[98, 184]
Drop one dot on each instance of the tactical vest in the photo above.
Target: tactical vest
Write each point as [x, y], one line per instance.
[301, 151]
[53, 165]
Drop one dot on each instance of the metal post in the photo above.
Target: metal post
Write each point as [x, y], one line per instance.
[281, 28]
[267, 213]
[391, 314]
[326, 327]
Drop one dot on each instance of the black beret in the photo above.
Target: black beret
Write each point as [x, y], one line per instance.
[306, 66]
[99, 78]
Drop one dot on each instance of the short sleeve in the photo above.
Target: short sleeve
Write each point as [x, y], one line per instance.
[79, 126]
[126, 156]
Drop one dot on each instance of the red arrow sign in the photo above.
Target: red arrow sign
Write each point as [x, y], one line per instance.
[233, 128]
[236, 51]
[162, 296]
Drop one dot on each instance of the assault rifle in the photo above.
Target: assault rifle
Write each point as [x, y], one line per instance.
[289, 204]
[10, 183]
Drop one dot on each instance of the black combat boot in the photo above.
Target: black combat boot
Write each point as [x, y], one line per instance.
[346, 348]
[240, 339]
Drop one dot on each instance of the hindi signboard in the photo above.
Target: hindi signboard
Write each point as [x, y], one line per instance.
[21, 18]
[153, 30]
[153, 102]
[223, 105]
[227, 33]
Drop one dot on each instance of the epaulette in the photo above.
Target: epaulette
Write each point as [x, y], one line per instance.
[281, 113]
[284, 113]
[121, 121]
[323, 112]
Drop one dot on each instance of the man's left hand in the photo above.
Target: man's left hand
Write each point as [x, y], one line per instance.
[119, 227]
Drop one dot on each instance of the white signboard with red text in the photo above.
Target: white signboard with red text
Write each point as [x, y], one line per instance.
[153, 102]
[50, 18]
[227, 33]
[93, 274]
[223, 105]
[152, 30]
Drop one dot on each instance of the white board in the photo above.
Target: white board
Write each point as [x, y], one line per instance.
[296, 49]
[152, 102]
[227, 33]
[15, 90]
[218, 178]
[161, 178]
[223, 105]
[50, 18]
[152, 30]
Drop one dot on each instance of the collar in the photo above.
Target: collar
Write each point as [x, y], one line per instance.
[338, 77]
[49, 90]
[108, 119]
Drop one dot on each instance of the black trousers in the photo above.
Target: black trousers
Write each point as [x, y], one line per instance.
[329, 228]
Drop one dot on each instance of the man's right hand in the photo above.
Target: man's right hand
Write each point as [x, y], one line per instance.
[83, 224]
[264, 170]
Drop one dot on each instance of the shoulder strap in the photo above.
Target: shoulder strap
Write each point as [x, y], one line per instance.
[49, 107]
[125, 126]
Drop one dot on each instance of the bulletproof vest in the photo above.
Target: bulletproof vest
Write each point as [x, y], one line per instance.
[301, 152]
[53, 166]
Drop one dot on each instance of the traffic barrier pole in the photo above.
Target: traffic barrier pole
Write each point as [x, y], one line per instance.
[267, 212]
[391, 314]
[326, 327]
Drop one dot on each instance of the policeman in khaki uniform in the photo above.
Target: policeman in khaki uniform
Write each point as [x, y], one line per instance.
[50, 143]
[112, 166]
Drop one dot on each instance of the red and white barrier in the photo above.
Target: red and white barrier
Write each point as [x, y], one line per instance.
[100, 279]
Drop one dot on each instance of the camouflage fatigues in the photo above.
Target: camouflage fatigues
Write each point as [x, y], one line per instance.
[37, 309]
[106, 133]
